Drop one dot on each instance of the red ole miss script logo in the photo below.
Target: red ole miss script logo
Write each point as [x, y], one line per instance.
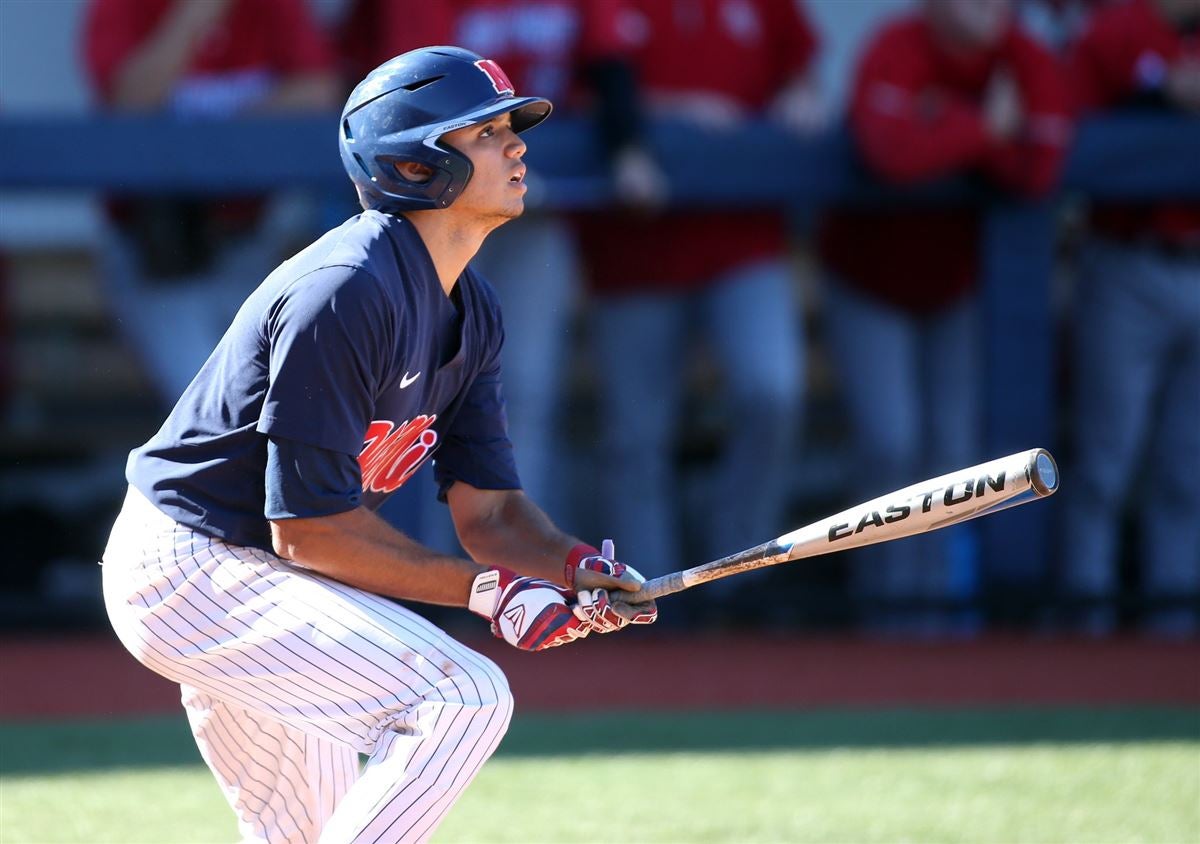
[391, 453]
[498, 77]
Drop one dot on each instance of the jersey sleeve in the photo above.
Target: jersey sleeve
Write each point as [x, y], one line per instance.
[304, 482]
[327, 336]
[477, 450]
[905, 135]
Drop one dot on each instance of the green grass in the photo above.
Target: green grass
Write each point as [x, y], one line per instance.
[980, 776]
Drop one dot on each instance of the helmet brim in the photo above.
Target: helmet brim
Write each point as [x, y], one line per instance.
[527, 112]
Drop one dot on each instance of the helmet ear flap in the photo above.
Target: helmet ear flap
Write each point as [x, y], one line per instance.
[451, 172]
[401, 166]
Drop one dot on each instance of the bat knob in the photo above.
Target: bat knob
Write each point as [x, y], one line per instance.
[1043, 473]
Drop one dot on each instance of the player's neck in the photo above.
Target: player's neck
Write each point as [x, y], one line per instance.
[451, 241]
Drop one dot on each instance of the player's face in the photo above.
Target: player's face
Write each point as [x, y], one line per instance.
[497, 185]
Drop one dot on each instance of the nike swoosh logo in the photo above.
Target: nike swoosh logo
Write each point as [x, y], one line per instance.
[408, 379]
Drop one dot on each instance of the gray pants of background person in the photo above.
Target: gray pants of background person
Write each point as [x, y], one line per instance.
[1135, 428]
[910, 384]
[641, 343]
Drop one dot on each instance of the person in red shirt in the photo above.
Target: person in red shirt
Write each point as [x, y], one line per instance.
[178, 267]
[954, 88]
[662, 278]
[567, 49]
[1135, 358]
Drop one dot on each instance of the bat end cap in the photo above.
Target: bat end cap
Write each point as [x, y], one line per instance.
[1044, 472]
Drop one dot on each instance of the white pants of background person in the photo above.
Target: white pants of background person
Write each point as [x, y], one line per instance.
[1135, 428]
[910, 384]
[175, 324]
[532, 263]
[641, 344]
[288, 676]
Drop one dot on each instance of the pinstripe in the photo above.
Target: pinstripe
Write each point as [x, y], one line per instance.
[451, 729]
[224, 755]
[175, 669]
[341, 769]
[289, 675]
[427, 633]
[326, 614]
[171, 669]
[299, 792]
[449, 791]
[253, 761]
[325, 664]
[491, 672]
[470, 769]
[244, 741]
[229, 759]
[180, 617]
[418, 761]
[212, 681]
[352, 633]
[413, 627]
[273, 655]
[294, 687]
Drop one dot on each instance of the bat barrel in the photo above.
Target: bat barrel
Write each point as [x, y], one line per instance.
[929, 505]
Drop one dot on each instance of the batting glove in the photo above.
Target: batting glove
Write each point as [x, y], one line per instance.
[603, 608]
[527, 612]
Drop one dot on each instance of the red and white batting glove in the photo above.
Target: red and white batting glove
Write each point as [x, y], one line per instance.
[527, 612]
[603, 608]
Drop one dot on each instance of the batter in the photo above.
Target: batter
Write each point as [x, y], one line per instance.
[247, 563]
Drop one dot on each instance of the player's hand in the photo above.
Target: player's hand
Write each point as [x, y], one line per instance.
[527, 612]
[599, 581]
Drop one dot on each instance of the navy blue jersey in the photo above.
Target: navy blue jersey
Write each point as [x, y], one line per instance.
[345, 370]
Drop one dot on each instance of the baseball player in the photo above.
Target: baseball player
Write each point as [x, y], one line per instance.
[247, 564]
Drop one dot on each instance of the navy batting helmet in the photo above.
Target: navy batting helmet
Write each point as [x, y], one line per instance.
[402, 108]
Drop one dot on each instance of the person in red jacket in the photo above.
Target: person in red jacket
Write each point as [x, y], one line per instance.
[1135, 362]
[177, 266]
[953, 88]
[662, 279]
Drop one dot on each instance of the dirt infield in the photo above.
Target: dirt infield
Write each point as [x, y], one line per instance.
[92, 676]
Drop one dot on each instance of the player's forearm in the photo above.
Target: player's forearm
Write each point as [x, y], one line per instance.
[505, 528]
[362, 550]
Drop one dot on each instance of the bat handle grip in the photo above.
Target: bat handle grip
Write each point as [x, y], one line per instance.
[654, 588]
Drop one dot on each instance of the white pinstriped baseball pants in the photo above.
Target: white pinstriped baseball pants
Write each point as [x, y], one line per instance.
[288, 676]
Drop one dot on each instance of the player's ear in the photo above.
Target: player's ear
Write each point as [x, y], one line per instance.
[414, 172]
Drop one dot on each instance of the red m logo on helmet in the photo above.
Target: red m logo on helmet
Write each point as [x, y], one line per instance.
[498, 77]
